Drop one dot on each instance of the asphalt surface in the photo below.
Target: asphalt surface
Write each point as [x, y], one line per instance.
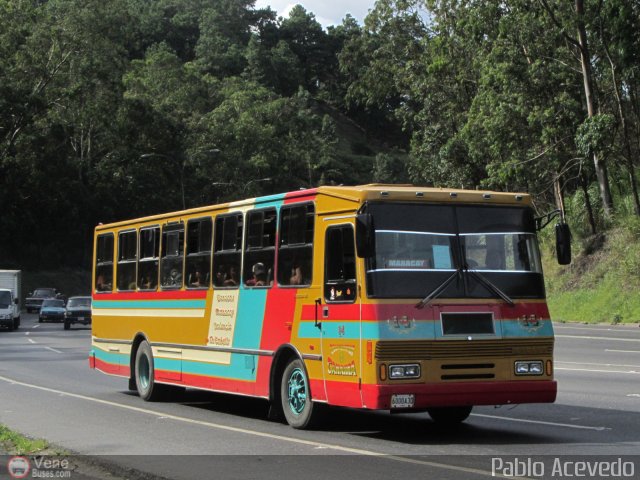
[47, 390]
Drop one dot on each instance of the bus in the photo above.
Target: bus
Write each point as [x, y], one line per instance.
[386, 297]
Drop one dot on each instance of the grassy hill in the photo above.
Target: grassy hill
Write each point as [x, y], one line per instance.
[603, 282]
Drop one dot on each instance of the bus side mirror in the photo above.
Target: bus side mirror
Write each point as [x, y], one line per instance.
[563, 243]
[365, 235]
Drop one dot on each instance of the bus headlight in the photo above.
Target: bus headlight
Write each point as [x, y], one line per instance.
[529, 368]
[404, 371]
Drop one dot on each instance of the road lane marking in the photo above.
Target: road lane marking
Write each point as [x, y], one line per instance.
[597, 364]
[622, 351]
[586, 337]
[627, 329]
[541, 422]
[31, 340]
[27, 333]
[36, 326]
[310, 443]
[53, 349]
[597, 371]
[634, 395]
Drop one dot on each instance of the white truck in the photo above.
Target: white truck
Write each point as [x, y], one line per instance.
[10, 281]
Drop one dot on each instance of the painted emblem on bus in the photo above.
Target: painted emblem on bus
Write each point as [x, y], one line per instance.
[531, 323]
[341, 360]
[401, 324]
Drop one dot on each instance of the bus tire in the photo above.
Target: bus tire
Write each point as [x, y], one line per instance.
[146, 386]
[449, 415]
[297, 405]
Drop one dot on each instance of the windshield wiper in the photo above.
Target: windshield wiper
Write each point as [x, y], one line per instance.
[491, 287]
[426, 300]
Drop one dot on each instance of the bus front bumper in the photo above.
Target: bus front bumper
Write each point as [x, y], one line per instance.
[380, 397]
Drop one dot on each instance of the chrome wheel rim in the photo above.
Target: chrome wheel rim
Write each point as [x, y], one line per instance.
[143, 371]
[297, 391]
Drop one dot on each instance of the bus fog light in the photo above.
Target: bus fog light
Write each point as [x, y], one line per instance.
[404, 371]
[529, 368]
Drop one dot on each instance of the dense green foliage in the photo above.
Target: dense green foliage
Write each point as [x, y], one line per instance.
[120, 108]
[602, 283]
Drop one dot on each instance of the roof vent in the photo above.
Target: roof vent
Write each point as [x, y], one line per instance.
[384, 194]
[420, 194]
[519, 198]
[453, 195]
[486, 196]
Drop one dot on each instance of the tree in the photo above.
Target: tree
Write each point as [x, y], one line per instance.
[581, 44]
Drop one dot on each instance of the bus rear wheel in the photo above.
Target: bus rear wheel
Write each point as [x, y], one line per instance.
[147, 388]
[449, 415]
[297, 405]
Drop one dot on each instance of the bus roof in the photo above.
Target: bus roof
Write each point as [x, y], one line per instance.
[358, 195]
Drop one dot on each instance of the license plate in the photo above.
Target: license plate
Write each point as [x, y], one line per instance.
[405, 400]
[81, 319]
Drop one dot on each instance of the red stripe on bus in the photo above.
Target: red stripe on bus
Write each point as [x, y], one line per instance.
[217, 384]
[278, 317]
[344, 394]
[459, 394]
[168, 295]
[385, 312]
[276, 330]
[300, 196]
[112, 369]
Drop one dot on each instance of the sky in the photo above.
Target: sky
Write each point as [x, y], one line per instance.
[327, 12]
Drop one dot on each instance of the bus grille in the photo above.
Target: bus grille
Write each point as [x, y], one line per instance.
[445, 349]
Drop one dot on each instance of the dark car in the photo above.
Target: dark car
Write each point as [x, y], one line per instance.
[78, 311]
[52, 310]
[35, 299]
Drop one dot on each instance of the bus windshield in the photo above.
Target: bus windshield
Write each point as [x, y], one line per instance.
[418, 247]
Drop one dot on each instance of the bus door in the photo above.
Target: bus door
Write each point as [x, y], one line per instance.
[341, 331]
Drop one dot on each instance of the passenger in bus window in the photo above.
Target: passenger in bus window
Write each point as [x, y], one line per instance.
[147, 283]
[296, 274]
[232, 279]
[175, 278]
[221, 276]
[196, 279]
[102, 285]
[259, 276]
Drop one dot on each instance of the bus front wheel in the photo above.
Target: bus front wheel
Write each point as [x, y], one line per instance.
[147, 388]
[449, 415]
[297, 405]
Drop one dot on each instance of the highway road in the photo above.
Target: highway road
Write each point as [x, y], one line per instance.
[48, 391]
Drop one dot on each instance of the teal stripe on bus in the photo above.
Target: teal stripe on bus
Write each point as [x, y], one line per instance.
[111, 357]
[242, 367]
[149, 304]
[422, 330]
[252, 301]
[251, 308]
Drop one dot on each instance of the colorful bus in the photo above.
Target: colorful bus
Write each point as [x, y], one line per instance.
[384, 297]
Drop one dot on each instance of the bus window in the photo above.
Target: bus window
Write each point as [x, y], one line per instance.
[149, 254]
[171, 262]
[260, 248]
[340, 265]
[295, 252]
[104, 263]
[198, 261]
[127, 247]
[227, 250]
